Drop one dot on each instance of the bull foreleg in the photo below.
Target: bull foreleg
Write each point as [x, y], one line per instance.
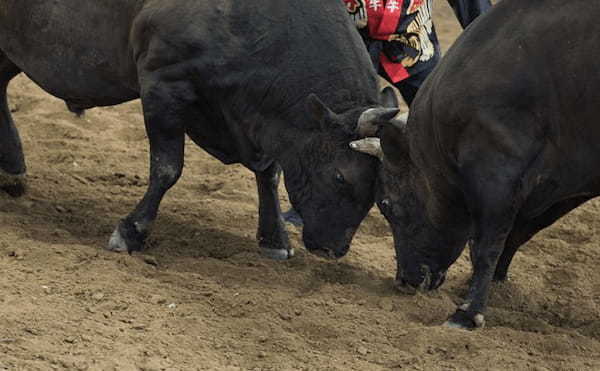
[12, 160]
[485, 253]
[494, 204]
[272, 236]
[164, 117]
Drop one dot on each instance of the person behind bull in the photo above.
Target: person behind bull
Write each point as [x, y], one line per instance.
[401, 38]
[402, 42]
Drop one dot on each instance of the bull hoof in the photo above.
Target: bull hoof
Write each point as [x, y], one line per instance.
[117, 243]
[277, 254]
[465, 320]
[125, 238]
[14, 185]
[291, 216]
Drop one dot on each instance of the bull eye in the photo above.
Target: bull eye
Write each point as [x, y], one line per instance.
[385, 203]
[340, 178]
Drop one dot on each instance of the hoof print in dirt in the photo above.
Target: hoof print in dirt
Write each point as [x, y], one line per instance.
[277, 254]
[126, 238]
[465, 320]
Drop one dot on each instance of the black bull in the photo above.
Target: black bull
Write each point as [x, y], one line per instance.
[235, 76]
[502, 140]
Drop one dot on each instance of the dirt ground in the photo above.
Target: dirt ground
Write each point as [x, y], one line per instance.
[201, 296]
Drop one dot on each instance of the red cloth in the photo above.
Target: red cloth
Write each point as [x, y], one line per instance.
[383, 19]
[383, 16]
[396, 71]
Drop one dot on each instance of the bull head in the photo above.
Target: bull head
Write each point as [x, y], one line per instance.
[368, 124]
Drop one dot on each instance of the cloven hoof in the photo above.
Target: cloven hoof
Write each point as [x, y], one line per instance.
[277, 254]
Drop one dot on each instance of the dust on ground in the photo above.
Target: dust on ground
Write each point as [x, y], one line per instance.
[201, 296]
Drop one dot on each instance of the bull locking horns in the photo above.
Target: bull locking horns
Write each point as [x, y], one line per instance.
[369, 121]
[400, 121]
[372, 145]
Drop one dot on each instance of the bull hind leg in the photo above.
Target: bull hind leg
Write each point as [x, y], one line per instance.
[12, 160]
[524, 230]
[271, 235]
[165, 116]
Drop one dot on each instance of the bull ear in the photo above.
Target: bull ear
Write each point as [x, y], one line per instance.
[369, 121]
[370, 146]
[389, 99]
[318, 110]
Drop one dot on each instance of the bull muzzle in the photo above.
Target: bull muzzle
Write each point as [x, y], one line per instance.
[325, 251]
[426, 282]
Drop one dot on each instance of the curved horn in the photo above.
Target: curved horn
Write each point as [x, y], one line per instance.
[400, 120]
[389, 98]
[369, 121]
[370, 146]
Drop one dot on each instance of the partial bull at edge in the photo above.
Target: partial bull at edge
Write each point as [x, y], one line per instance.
[12, 162]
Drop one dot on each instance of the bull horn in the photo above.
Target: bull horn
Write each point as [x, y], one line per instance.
[370, 146]
[389, 98]
[369, 121]
[400, 120]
